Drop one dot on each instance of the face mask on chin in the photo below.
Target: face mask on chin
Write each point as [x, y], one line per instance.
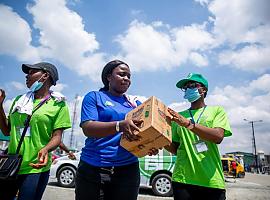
[192, 95]
[36, 85]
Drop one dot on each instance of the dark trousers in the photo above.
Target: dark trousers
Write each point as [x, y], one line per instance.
[30, 186]
[118, 183]
[193, 192]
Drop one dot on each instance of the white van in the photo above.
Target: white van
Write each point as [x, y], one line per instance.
[156, 171]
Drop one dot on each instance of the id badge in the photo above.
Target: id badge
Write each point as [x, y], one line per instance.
[200, 147]
[27, 134]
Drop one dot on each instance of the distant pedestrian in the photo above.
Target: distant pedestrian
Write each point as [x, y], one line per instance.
[234, 169]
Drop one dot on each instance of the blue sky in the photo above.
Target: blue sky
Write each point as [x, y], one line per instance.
[162, 41]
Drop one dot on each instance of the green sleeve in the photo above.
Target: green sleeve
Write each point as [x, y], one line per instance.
[221, 121]
[62, 119]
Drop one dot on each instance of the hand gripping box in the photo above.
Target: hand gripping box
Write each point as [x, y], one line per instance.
[155, 129]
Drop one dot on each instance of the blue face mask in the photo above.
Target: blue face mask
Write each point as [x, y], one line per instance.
[192, 94]
[36, 85]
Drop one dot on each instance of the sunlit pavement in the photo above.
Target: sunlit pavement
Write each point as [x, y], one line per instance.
[252, 187]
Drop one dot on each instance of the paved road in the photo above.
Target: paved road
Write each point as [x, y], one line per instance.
[253, 186]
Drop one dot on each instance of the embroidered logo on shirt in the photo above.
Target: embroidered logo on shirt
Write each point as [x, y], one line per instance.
[108, 103]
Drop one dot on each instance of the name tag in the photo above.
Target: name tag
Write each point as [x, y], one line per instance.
[27, 134]
[200, 147]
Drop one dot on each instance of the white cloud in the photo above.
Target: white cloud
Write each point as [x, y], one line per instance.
[179, 106]
[192, 38]
[58, 87]
[198, 59]
[203, 2]
[18, 85]
[251, 58]
[63, 37]
[165, 47]
[262, 83]
[15, 37]
[242, 27]
[236, 19]
[141, 40]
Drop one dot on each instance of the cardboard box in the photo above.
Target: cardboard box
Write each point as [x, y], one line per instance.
[155, 130]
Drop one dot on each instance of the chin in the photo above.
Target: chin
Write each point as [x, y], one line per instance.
[122, 91]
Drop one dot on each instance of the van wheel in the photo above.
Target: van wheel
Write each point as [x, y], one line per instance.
[66, 177]
[162, 185]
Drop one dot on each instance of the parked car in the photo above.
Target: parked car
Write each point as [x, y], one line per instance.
[54, 156]
[64, 170]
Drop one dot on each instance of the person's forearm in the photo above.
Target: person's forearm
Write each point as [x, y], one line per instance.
[215, 135]
[55, 140]
[63, 147]
[98, 129]
[172, 148]
[4, 126]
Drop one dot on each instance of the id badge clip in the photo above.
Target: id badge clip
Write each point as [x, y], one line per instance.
[200, 146]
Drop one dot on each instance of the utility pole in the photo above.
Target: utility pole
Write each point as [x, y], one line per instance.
[254, 142]
[71, 141]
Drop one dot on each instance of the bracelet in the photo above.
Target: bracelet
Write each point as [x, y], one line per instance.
[117, 126]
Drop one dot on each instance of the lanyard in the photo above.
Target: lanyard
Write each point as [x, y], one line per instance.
[192, 118]
[42, 102]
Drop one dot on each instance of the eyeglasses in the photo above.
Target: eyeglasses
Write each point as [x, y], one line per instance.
[191, 86]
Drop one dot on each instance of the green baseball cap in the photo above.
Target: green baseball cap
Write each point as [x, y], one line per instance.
[192, 77]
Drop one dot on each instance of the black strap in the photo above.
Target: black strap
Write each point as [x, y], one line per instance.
[27, 122]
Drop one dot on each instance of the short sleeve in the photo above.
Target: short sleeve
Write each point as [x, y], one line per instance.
[63, 118]
[221, 121]
[89, 108]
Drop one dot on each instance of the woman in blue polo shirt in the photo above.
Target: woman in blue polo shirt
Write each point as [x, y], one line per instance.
[106, 170]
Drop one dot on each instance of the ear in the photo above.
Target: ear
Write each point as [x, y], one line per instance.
[109, 77]
[203, 90]
[45, 76]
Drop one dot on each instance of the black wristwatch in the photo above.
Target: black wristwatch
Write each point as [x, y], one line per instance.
[191, 124]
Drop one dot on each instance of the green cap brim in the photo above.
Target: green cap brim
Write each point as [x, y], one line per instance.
[182, 83]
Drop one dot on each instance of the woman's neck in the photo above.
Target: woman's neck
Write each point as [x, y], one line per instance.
[41, 93]
[197, 104]
[114, 93]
